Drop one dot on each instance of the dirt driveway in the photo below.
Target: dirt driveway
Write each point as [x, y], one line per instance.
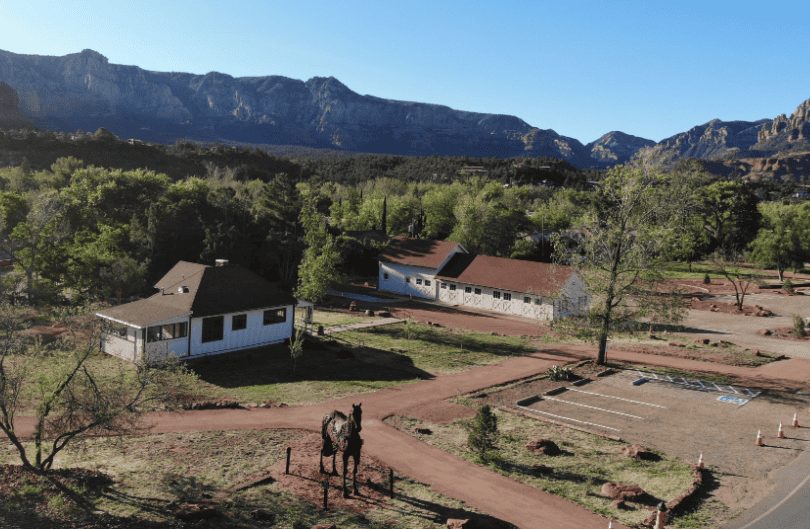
[742, 330]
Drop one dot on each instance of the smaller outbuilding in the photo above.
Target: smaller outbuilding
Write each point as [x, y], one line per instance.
[200, 310]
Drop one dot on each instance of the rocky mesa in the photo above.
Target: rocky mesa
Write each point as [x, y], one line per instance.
[84, 90]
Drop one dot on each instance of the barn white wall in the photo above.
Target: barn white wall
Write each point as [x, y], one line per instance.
[396, 280]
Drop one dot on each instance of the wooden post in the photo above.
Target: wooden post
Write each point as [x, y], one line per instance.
[287, 470]
[391, 482]
[325, 485]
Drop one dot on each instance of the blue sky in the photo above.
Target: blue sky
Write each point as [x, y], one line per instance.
[651, 69]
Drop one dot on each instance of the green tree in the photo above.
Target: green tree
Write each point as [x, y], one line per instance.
[439, 204]
[483, 433]
[729, 213]
[782, 241]
[278, 212]
[319, 267]
[620, 260]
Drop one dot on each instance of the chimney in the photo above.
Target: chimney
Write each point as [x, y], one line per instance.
[222, 262]
[182, 290]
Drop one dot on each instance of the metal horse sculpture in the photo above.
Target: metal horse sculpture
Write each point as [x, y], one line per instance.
[342, 434]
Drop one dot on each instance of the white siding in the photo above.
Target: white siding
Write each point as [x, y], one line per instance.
[486, 301]
[396, 280]
[120, 347]
[255, 335]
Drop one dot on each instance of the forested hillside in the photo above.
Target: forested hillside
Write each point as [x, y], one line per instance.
[95, 217]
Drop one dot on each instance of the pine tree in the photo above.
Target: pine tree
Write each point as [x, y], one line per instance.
[483, 434]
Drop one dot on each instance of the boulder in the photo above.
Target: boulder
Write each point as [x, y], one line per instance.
[637, 452]
[325, 526]
[543, 446]
[453, 523]
[704, 341]
[763, 332]
[262, 515]
[419, 429]
[190, 512]
[616, 491]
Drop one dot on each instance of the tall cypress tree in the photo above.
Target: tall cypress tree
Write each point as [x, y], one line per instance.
[384, 227]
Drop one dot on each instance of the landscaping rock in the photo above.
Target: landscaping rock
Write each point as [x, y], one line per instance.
[418, 429]
[369, 313]
[638, 452]
[704, 341]
[453, 523]
[189, 512]
[261, 514]
[325, 526]
[543, 446]
[764, 332]
[675, 344]
[616, 491]
[757, 353]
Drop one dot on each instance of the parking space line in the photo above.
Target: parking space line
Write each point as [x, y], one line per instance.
[617, 398]
[593, 407]
[568, 418]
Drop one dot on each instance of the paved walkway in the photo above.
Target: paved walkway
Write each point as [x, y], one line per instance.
[480, 488]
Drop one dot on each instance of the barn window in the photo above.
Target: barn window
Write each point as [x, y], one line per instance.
[468, 290]
[478, 291]
[537, 301]
[213, 329]
[444, 285]
[496, 294]
[507, 296]
[427, 282]
[452, 286]
[418, 281]
[239, 322]
[407, 279]
[527, 299]
[385, 276]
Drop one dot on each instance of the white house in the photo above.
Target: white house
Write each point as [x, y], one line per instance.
[447, 272]
[200, 310]
[409, 266]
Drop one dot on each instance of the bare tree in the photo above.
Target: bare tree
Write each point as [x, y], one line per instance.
[73, 397]
[741, 278]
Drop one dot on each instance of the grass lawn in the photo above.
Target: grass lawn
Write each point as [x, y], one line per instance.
[333, 319]
[679, 270]
[441, 349]
[578, 475]
[152, 471]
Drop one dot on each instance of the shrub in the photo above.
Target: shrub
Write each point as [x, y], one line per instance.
[788, 285]
[483, 432]
[707, 280]
[798, 327]
[559, 373]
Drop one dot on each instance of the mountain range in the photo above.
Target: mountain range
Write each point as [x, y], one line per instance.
[85, 91]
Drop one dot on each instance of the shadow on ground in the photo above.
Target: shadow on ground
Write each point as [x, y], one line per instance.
[320, 361]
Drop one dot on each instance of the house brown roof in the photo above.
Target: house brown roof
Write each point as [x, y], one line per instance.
[506, 274]
[418, 252]
[211, 290]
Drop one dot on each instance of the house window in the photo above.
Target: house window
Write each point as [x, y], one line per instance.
[477, 291]
[407, 279]
[153, 334]
[427, 282]
[181, 330]
[496, 294]
[418, 281]
[507, 296]
[167, 332]
[385, 276]
[213, 329]
[468, 290]
[452, 286]
[275, 316]
[239, 322]
[116, 329]
[444, 285]
[527, 299]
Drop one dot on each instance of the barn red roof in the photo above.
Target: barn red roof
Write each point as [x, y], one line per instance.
[418, 252]
[506, 274]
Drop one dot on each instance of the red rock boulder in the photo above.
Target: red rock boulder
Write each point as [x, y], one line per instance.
[616, 491]
[543, 446]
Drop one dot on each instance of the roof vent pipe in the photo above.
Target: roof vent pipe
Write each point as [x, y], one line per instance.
[221, 262]
[182, 290]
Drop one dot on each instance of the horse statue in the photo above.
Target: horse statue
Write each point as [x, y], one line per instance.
[342, 434]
